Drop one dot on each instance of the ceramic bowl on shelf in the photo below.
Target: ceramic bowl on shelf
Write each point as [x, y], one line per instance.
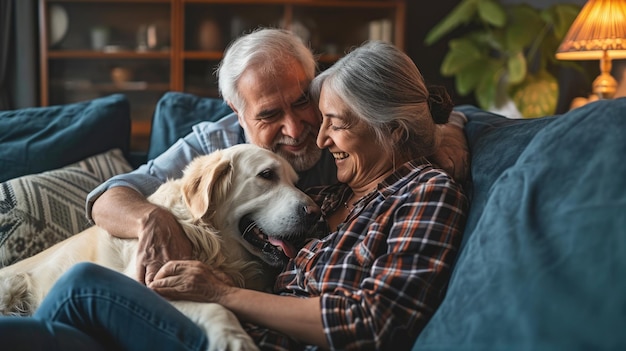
[209, 36]
[58, 24]
[121, 75]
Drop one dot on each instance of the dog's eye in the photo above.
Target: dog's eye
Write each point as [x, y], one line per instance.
[267, 174]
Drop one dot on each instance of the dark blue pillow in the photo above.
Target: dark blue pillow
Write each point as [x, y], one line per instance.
[37, 139]
[495, 143]
[543, 267]
[175, 115]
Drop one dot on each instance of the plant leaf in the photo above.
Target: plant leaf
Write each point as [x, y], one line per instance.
[561, 17]
[495, 62]
[463, 52]
[537, 95]
[492, 12]
[523, 27]
[487, 89]
[461, 14]
[517, 68]
[468, 78]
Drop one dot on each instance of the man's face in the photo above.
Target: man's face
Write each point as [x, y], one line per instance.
[279, 114]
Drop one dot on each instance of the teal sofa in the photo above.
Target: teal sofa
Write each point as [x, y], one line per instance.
[543, 260]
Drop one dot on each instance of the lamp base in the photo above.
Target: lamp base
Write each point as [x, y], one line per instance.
[604, 86]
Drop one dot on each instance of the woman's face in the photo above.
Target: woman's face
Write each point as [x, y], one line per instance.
[361, 162]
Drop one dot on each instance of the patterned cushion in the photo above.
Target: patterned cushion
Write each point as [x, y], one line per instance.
[39, 210]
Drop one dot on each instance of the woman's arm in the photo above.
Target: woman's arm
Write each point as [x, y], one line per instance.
[300, 318]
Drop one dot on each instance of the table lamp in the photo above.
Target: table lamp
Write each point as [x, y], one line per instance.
[598, 32]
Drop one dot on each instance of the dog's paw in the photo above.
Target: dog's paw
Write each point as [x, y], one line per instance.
[230, 339]
[222, 328]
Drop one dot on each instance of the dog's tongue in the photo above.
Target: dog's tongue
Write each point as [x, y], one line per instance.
[288, 249]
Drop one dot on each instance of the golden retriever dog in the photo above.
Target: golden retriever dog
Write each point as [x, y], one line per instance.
[238, 206]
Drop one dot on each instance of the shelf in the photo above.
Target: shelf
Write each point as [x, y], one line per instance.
[144, 48]
[203, 55]
[111, 87]
[110, 1]
[90, 54]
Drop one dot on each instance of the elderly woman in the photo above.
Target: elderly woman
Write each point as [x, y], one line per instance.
[389, 233]
[394, 221]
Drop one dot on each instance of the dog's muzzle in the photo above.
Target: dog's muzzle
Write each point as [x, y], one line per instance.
[275, 252]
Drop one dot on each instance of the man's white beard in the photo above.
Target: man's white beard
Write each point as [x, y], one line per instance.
[303, 160]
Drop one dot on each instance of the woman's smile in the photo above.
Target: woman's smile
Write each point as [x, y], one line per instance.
[340, 155]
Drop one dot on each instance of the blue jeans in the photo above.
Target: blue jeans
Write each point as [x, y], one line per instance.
[94, 308]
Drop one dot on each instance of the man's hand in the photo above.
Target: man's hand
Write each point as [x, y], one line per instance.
[160, 240]
[453, 153]
[125, 213]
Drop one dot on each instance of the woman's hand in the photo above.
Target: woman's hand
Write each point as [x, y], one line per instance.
[192, 281]
[195, 281]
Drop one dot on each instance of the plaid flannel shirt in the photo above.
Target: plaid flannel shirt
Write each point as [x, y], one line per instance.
[382, 273]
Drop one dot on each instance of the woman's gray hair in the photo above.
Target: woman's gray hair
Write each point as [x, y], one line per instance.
[266, 47]
[382, 86]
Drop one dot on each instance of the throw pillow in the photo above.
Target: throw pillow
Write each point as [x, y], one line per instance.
[37, 211]
[175, 115]
[495, 143]
[43, 138]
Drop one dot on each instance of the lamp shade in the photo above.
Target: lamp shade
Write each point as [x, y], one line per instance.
[599, 28]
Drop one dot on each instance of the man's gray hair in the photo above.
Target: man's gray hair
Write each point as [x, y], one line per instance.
[266, 47]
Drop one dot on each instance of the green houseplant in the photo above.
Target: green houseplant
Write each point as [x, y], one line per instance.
[505, 53]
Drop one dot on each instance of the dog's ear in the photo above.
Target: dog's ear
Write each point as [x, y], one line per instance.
[205, 182]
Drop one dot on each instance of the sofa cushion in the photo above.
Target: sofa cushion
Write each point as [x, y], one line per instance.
[543, 266]
[39, 210]
[42, 138]
[495, 143]
[176, 113]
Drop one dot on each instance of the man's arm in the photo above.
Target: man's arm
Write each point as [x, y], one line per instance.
[120, 206]
[125, 213]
